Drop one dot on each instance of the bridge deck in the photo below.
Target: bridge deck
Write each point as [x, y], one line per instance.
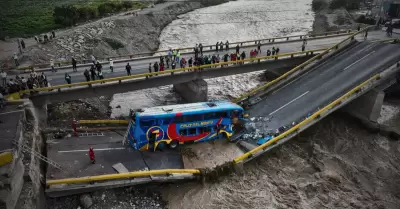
[321, 86]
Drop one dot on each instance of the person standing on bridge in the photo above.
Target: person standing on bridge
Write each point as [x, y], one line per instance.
[161, 59]
[93, 59]
[162, 65]
[170, 53]
[227, 45]
[178, 56]
[273, 51]
[22, 44]
[259, 47]
[74, 65]
[366, 34]
[216, 46]
[16, 59]
[128, 69]
[174, 54]
[201, 49]
[150, 68]
[190, 62]
[87, 75]
[167, 60]
[52, 66]
[277, 50]
[155, 66]
[68, 78]
[237, 49]
[221, 46]
[268, 52]
[111, 65]
[303, 47]
[99, 67]
[93, 72]
[305, 40]
[91, 155]
[3, 76]
[101, 77]
[43, 80]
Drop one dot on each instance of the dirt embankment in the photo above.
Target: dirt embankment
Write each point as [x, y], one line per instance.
[330, 20]
[113, 36]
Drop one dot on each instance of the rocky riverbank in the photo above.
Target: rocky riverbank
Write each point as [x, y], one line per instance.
[131, 32]
[330, 19]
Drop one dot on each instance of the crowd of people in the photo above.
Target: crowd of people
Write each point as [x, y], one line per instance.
[172, 60]
[19, 83]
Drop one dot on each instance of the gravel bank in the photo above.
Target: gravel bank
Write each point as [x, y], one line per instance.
[116, 35]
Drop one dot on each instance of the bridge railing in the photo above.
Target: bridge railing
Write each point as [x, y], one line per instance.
[135, 174]
[308, 120]
[297, 68]
[171, 72]
[185, 50]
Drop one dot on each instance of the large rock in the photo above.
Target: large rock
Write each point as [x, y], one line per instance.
[86, 201]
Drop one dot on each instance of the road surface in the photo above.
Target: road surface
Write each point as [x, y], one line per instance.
[319, 87]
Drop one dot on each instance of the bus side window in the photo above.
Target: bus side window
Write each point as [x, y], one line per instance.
[192, 132]
[183, 132]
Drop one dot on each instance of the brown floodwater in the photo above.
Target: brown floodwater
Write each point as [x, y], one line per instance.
[337, 163]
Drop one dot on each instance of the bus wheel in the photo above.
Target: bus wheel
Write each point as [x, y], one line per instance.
[174, 144]
[161, 146]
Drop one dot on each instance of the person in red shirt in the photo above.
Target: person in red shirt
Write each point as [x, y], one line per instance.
[161, 66]
[91, 155]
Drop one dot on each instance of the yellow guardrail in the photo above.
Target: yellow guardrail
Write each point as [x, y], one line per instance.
[306, 121]
[5, 158]
[311, 36]
[170, 71]
[268, 84]
[122, 176]
[103, 122]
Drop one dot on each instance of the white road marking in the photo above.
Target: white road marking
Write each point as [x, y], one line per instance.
[358, 61]
[87, 150]
[289, 103]
[5, 113]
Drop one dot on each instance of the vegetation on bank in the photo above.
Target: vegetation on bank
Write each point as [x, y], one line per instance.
[336, 4]
[21, 18]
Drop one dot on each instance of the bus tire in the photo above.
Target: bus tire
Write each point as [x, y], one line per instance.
[174, 144]
[161, 146]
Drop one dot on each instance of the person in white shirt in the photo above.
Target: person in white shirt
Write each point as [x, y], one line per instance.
[3, 76]
[111, 65]
[16, 59]
[52, 66]
[93, 59]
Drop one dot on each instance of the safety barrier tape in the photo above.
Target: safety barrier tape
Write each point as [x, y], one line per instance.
[311, 36]
[120, 79]
[268, 84]
[122, 176]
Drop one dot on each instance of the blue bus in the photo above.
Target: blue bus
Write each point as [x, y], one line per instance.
[159, 127]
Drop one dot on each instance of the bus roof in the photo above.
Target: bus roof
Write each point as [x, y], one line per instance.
[189, 108]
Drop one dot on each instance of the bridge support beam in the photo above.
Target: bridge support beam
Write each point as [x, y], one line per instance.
[41, 112]
[192, 91]
[368, 106]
